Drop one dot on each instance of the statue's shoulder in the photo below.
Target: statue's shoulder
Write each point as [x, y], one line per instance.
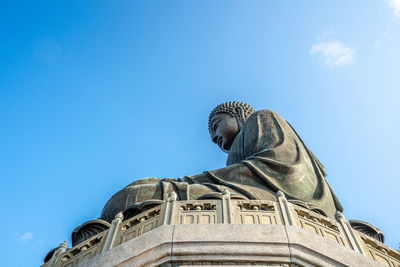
[263, 113]
[261, 118]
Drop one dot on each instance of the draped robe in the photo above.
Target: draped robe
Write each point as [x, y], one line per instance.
[267, 155]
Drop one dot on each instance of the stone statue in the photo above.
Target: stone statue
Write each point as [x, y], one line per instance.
[265, 154]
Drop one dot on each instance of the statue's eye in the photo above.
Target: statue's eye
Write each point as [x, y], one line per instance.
[215, 126]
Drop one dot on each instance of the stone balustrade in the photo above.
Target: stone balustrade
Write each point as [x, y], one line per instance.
[223, 208]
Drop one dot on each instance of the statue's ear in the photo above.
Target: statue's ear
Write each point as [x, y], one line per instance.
[239, 113]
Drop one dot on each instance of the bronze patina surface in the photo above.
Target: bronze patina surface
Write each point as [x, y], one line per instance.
[265, 154]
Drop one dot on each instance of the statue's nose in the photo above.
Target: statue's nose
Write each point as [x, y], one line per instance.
[214, 138]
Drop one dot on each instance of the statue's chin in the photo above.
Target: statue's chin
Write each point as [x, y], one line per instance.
[225, 148]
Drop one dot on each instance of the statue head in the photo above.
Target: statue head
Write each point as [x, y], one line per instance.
[225, 122]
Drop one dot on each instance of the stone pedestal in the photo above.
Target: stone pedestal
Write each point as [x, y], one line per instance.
[228, 232]
[230, 244]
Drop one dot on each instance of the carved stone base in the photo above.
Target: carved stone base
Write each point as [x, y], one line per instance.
[230, 244]
[227, 232]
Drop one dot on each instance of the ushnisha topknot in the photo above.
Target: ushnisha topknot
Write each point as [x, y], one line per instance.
[231, 108]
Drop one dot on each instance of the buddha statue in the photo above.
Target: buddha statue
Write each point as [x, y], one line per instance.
[265, 155]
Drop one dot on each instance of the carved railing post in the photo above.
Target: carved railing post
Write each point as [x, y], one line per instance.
[169, 209]
[56, 256]
[226, 207]
[348, 232]
[285, 210]
[112, 232]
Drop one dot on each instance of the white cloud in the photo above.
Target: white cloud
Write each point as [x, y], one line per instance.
[25, 237]
[395, 5]
[333, 53]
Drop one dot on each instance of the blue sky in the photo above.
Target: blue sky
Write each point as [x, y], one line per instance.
[96, 95]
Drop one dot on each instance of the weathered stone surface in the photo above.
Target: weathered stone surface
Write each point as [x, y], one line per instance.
[224, 242]
[255, 232]
[149, 249]
[309, 249]
[230, 244]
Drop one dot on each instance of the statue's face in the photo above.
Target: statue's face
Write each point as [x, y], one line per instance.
[224, 128]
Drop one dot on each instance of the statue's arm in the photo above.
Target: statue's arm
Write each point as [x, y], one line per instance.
[236, 173]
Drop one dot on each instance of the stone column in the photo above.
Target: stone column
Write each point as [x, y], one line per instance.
[112, 232]
[226, 207]
[285, 210]
[348, 232]
[56, 256]
[169, 209]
